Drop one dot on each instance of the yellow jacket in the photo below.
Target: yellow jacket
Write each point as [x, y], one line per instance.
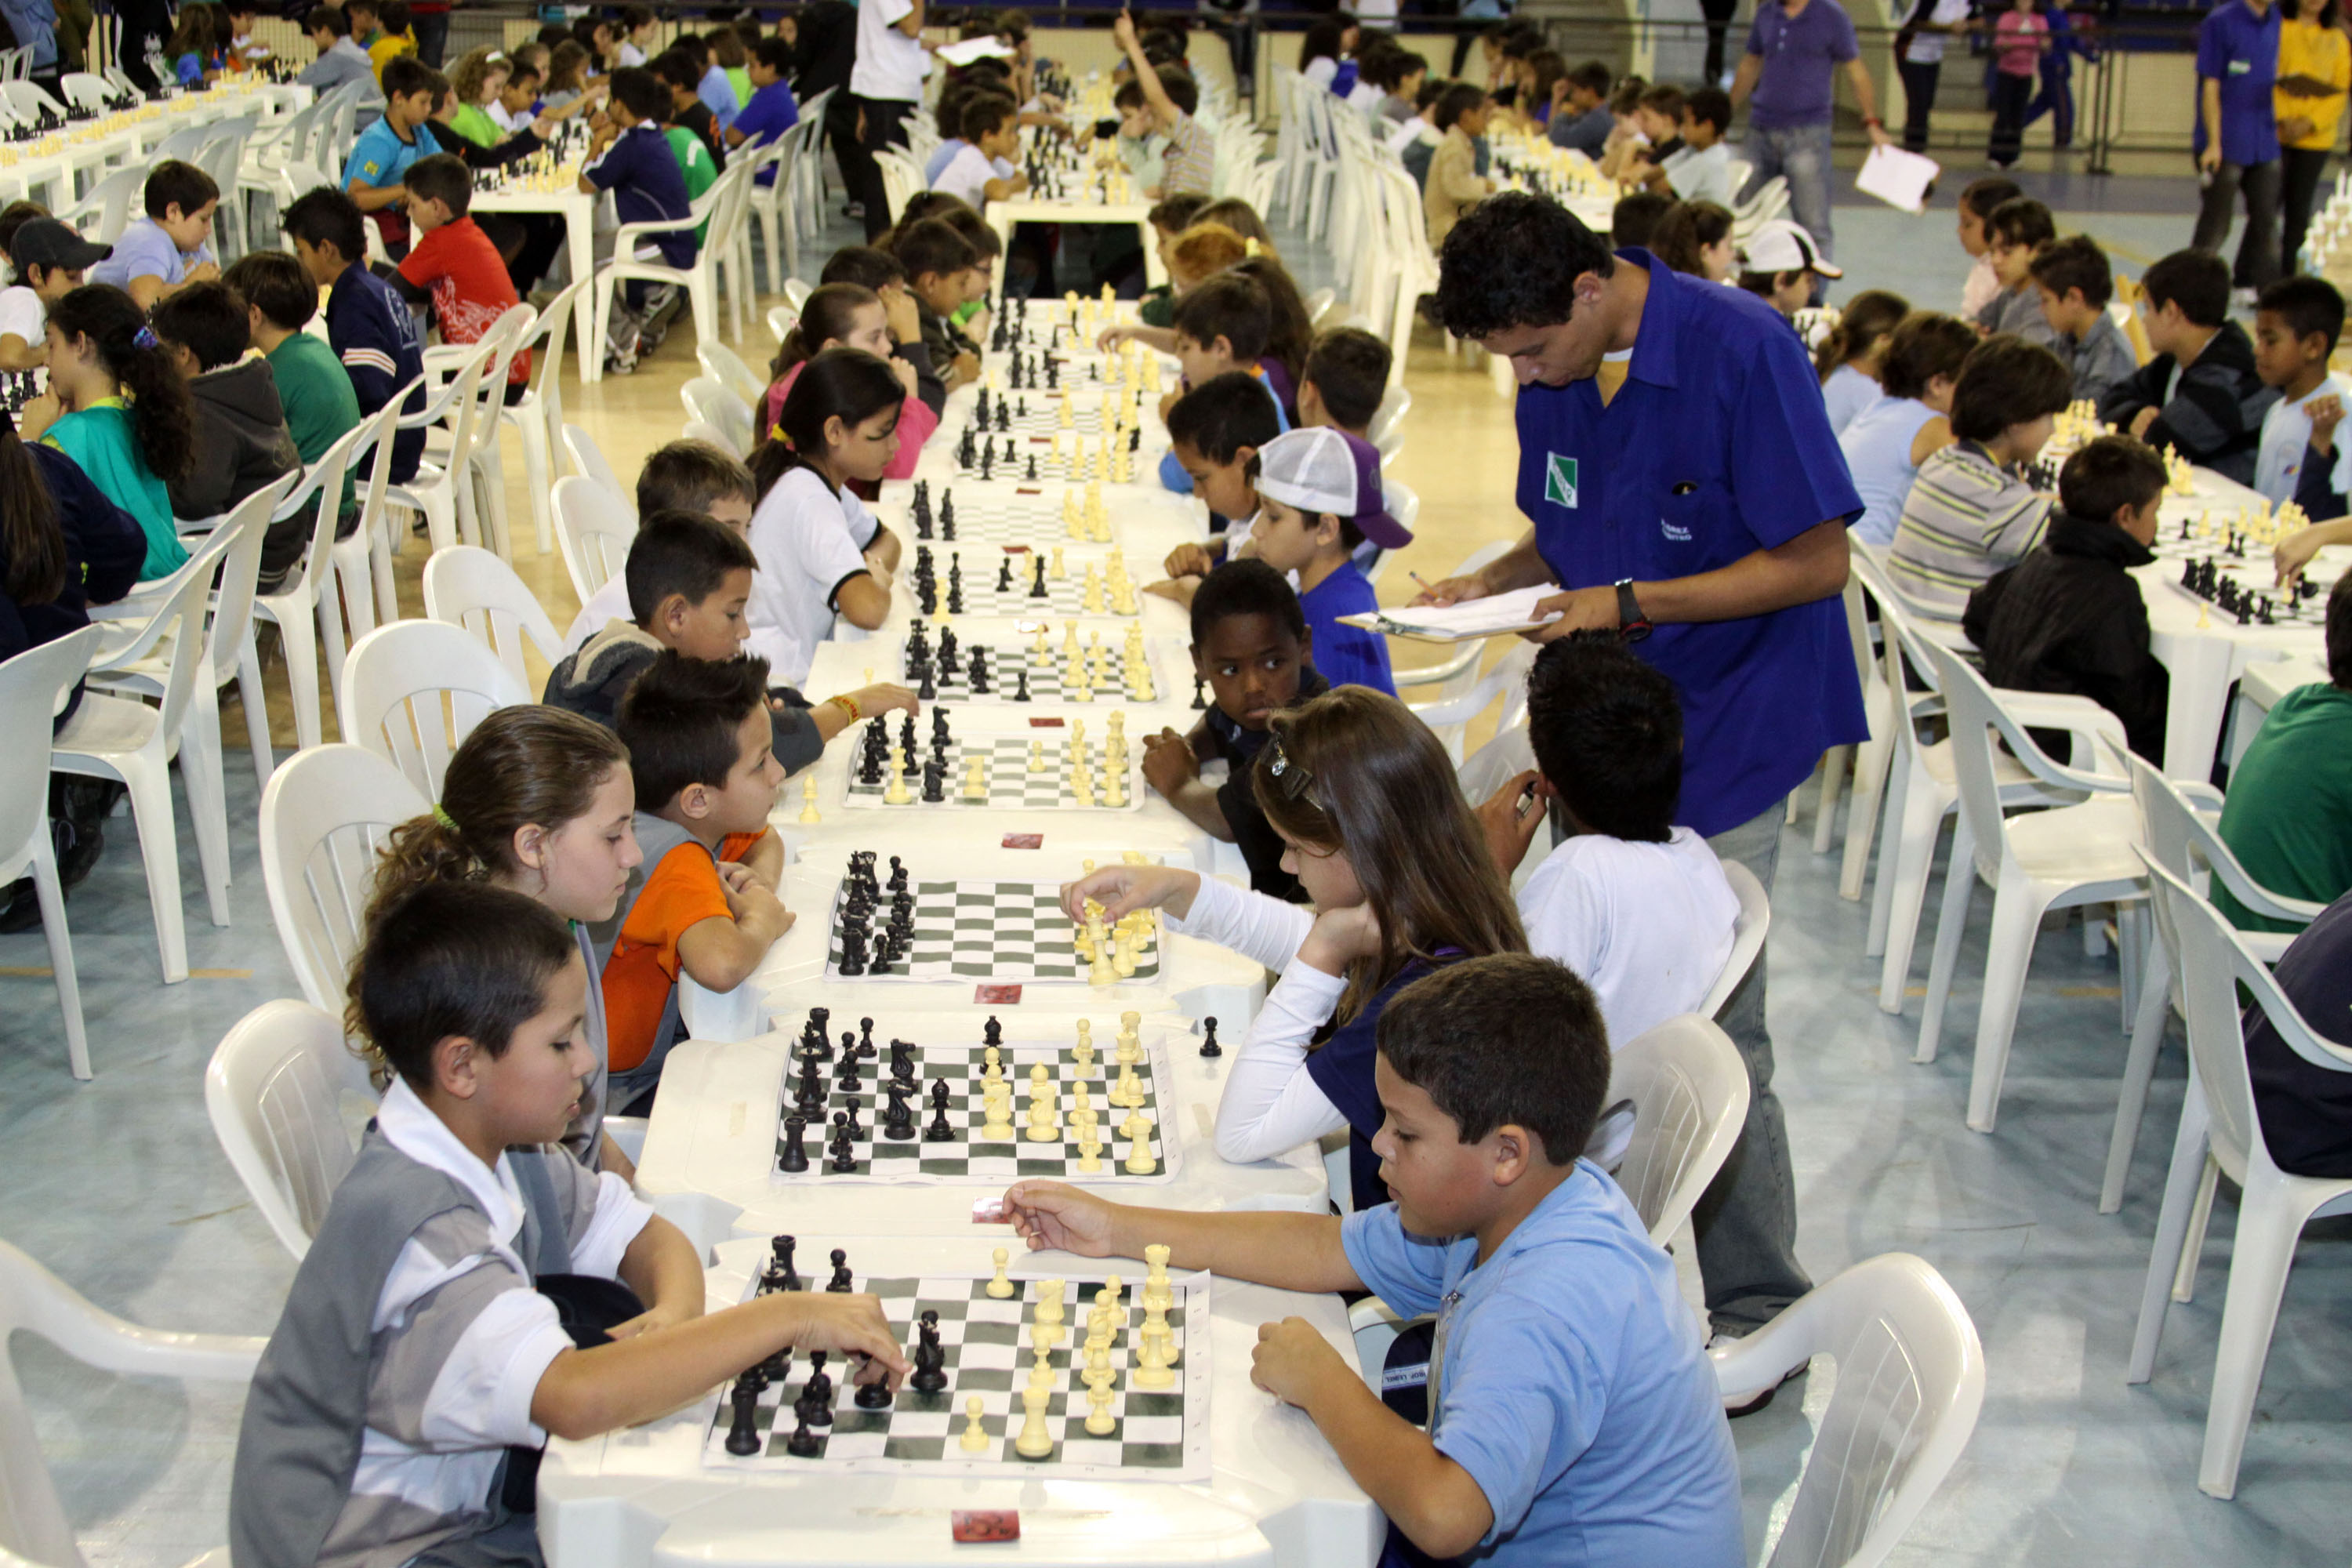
[2306, 49]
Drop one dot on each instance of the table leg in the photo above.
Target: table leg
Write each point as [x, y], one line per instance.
[2202, 669]
[580, 235]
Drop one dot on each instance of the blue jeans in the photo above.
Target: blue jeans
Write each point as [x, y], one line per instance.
[1801, 154]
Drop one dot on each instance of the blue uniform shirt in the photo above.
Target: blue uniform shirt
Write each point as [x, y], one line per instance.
[771, 112]
[1717, 446]
[2241, 51]
[642, 172]
[1347, 656]
[1571, 1385]
[381, 158]
[1796, 82]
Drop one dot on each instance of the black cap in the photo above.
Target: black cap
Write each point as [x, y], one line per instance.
[45, 243]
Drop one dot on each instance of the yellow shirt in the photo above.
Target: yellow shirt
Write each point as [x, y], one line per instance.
[2306, 49]
[388, 47]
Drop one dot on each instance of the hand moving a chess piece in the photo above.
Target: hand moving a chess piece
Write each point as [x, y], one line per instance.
[1123, 889]
[2294, 551]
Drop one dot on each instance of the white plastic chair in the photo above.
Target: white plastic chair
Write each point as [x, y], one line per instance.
[1387, 428]
[324, 817]
[84, 90]
[537, 418]
[719, 208]
[123, 738]
[595, 530]
[725, 366]
[361, 588]
[703, 430]
[485, 460]
[413, 691]
[1910, 1383]
[709, 399]
[796, 292]
[34, 1529]
[1450, 720]
[770, 204]
[104, 212]
[33, 686]
[1880, 706]
[2220, 1133]
[1747, 933]
[305, 599]
[471, 587]
[2060, 858]
[588, 462]
[277, 1091]
[2179, 838]
[441, 490]
[781, 319]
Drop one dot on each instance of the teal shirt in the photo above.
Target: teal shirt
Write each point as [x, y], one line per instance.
[321, 406]
[103, 442]
[2288, 815]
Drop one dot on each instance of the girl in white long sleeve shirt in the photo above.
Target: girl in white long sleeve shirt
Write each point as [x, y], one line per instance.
[1393, 859]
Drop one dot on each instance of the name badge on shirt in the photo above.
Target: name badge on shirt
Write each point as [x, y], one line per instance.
[2240, 67]
[1559, 479]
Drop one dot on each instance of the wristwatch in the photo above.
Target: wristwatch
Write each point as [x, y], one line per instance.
[1632, 626]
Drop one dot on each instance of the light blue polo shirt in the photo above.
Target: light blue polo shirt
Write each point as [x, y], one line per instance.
[1717, 446]
[1573, 1386]
[144, 251]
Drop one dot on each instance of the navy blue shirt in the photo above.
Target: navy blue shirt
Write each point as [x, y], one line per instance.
[1347, 656]
[643, 174]
[376, 336]
[1262, 848]
[1341, 1067]
[1717, 446]
[2241, 51]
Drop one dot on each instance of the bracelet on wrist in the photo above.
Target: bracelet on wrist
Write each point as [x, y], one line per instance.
[847, 705]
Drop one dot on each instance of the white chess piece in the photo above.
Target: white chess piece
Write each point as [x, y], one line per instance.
[1151, 1370]
[1100, 971]
[996, 1106]
[1098, 1421]
[974, 1438]
[975, 779]
[1156, 1287]
[1035, 1442]
[897, 794]
[1036, 756]
[1140, 1161]
[808, 800]
[1001, 1287]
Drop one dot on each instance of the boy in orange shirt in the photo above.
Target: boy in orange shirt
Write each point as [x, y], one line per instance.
[703, 901]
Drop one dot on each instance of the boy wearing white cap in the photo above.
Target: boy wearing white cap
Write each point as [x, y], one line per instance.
[1779, 262]
[1320, 494]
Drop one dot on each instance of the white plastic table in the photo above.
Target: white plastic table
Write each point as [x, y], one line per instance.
[713, 1131]
[1003, 216]
[839, 666]
[577, 208]
[1277, 1495]
[2259, 691]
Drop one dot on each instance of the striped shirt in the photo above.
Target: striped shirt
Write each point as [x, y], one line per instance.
[1190, 164]
[1966, 519]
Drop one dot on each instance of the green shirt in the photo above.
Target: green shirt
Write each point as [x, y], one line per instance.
[473, 124]
[103, 442]
[2288, 815]
[695, 167]
[321, 406]
[740, 77]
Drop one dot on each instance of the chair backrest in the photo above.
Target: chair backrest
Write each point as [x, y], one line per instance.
[84, 90]
[546, 341]
[277, 1090]
[32, 686]
[1910, 1382]
[1976, 716]
[240, 571]
[1401, 502]
[413, 691]
[594, 530]
[711, 401]
[471, 587]
[703, 430]
[1688, 1084]
[796, 292]
[2185, 844]
[589, 459]
[1747, 935]
[725, 366]
[324, 479]
[781, 319]
[33, 1523]
[1387, 429]
[324, 817]
[102, 215]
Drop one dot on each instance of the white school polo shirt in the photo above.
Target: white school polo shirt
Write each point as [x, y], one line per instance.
[809, 540]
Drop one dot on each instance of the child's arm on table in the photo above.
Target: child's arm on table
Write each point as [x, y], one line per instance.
[1287, 1251]
[662, 1268]
[1169, 767]
[721, 954]
[765, 859]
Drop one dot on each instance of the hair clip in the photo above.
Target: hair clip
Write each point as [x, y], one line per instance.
[445, 820]
[1291, 775]
[145, 338]
[1250, 247]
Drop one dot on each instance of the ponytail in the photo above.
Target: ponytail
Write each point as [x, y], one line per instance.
[826, 317]
[1867, 318]
[36, 547]
[849, 385]
[130, 351]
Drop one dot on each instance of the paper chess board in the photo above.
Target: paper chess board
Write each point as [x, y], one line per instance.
[1046, 676]
[999, 514]
[1065, 596]
[1012, 787]
[1014, 932]
[2250, 571]
[970, 1160]
[1161, 1436]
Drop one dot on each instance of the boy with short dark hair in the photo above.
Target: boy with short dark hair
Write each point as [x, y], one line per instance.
[937, 259]
[1252, 645]
[773, 110]
[321, 406]
[700, 752]
[1222, 325]
[2075, 283]
[341, 59]
[683, 476]
[2296, 323]
[982, 170]
[414, 1358]
[1636, 218]
[241, 441]
[1321, 495]
[369, 330]
[2200, 395]
[2017, 228]
[633, 160]
[381, 154]
[2069, 617]
[687, 579]
[1978, 203]
[1582, 119]
[1190, 162]
[453, 265]
[1575, 1416]
[682, 74]
[1347, 376]
[169, 246]
[1214, 432]
[50, 261]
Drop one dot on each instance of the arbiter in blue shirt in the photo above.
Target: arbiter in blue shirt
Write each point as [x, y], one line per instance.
[2236, 135]
[1687, 493]
[1575, 1420]
[1319, 492]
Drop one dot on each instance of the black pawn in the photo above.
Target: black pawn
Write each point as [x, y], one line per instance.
[873, 1395]
[1021, 686]
[839, 1283]
[794, 1159]
[803, 1443]
[1038, 580]
[926, 691]
[929, 1359]
[940, 1131]
[991, 1033]
[1031, 472]
[816, 1394]
[743, 1436]
[1005, 575]
[1209, 1047]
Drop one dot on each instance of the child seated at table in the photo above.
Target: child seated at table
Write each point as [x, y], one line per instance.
[427, 1351]
[2201, 395]
[1320, 494]
[2074, 282]
[936, 260]
[771, 110]
[682, 476]
[2069, 617]
[2288, 818]
[982, 170]
[843, 315]
[687, 578]
[880, 271]
[1251, 646]
[1346, 378]
[453, 267]
[382, 152]
[1220, 326]
[371, 332]
[51, 260]
[321, 406]
[241, 441]
[1575, 1416]
[169, 244]
[1214, 432]
[632, 158]
[2296, 323]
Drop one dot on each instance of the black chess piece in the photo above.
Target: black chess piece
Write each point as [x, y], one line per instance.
[934, 784]
[940, 1131]
[1004, 576]
[1037, 580]
[744, 1435]
[1209, 1047]
[991, 1033]
[897, 1121]
[902, 1062]
[1030, 474]
[847, 1081]
[931, 1360]
[794, 1159]
[976, 677]
[873, 1395]
[1200, 698]
[816, 1394]
[1021, 686]
[782, 1248]
[864, 1036]
[839, 1284]
[803, 1443]
[926, 691]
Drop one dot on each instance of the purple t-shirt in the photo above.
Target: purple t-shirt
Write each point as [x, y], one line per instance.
[1800, 55]
[2241, 51]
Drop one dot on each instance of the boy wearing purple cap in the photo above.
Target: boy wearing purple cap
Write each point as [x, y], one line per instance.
[1320, 490]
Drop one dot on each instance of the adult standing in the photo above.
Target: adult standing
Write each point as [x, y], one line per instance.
[1919, 62]
[1794, 47]
[885, 86]
[429, 20]
[2236, 139]
[1685, 491]
[2315, 69]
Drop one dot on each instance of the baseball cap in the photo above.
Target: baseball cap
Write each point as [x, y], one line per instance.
[46, 243]
[1321, 469]
[1781, 246]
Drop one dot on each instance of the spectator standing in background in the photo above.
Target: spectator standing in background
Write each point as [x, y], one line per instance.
[2236, 141]
[1919, 61]
[885, 86]
[1793, 49]
[2314, 70]
[2019, 36]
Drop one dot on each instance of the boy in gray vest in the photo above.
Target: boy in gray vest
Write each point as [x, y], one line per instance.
[416, 1358]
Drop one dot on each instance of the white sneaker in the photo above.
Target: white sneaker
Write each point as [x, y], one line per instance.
[1740, 1404]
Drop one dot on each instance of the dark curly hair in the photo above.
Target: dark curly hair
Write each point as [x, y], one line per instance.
[159, 400]
[1513, 261]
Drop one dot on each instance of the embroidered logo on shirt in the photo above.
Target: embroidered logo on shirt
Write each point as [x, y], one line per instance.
[1559, 480]
[1680, 535]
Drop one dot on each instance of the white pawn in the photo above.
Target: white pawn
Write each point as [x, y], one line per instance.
[1036, 756]
[975, 779]
[974, 1438]
[808, 800]
[1098, 1421]
[1035, 1442]
[1000, 1288]
[991, 1060]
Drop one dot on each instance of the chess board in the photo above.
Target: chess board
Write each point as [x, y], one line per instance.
[1011, 785]
[1006, 662]
[1159, 1434]
[1014, 932]
[1065, 596]
[2250, 571]
[970, 1160]
[995, 513]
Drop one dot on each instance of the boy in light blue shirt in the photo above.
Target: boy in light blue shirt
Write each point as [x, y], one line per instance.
[1576, 1417]
[170, 247]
